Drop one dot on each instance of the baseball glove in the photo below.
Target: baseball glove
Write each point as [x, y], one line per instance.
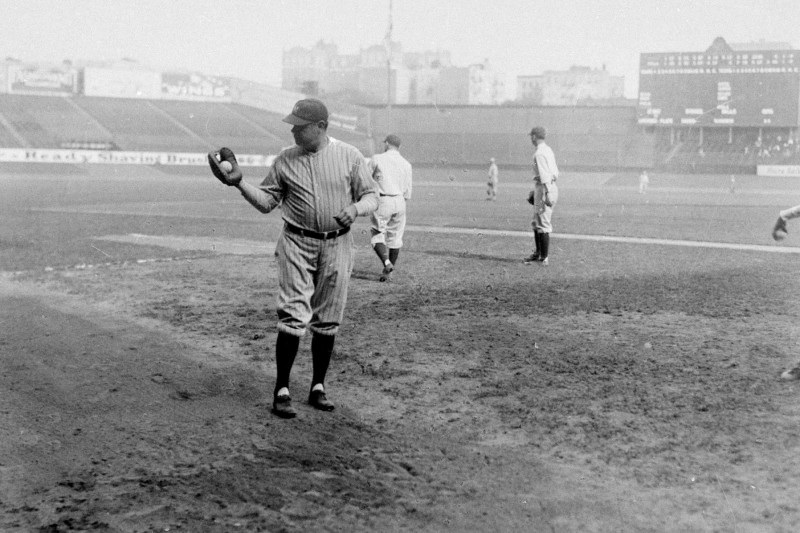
[230, 177]
[531, 196]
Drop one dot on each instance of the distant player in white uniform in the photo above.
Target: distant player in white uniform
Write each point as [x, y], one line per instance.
[644, 181]
[491, 185]
[545, 195]
[392, 172]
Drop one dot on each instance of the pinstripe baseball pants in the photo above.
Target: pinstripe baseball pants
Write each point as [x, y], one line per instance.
[313, 277]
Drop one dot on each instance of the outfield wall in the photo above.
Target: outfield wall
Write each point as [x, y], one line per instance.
[582, 137]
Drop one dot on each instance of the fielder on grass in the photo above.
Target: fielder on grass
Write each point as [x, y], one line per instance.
[322, 185]
[543, 196]
[491, 184]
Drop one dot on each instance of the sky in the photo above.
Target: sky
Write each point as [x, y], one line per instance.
[246, 38]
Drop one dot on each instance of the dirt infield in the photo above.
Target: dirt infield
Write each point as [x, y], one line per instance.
[627, 387]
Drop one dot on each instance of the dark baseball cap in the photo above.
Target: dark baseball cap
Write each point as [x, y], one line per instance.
[539, 132]
[307, 111]
[393, 139]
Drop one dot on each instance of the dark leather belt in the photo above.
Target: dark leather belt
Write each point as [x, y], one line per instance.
[381, 194]
[314, 235]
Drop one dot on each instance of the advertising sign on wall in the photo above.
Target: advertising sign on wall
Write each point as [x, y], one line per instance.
[180, 86]
[37, 155]
[121, 83]
[53, 80]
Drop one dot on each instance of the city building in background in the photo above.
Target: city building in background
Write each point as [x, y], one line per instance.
[385, 74]
[579, 85]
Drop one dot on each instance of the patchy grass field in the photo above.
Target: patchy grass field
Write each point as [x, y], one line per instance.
[630, 386]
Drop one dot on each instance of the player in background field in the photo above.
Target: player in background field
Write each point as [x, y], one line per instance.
[644, 181]
[545, 175]
[392, 172]
[491, 185]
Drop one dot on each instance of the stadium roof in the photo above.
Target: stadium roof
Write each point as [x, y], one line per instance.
[760, 45]
[721, 46]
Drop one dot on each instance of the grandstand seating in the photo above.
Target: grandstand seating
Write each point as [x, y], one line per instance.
[145, 125]
[602, 138]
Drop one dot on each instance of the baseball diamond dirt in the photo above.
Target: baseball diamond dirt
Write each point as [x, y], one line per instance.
[640, 393]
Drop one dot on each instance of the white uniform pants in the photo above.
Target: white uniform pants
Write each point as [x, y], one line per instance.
[541, 212]
[389, 222]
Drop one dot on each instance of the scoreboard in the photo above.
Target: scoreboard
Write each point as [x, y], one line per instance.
[720, 88]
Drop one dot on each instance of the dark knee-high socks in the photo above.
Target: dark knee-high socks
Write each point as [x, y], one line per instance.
[285, 351]
[394, 254]
[544, 239]
[382, 252]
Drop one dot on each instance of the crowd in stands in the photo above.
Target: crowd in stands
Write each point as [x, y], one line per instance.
[776, 149]
[743, 147]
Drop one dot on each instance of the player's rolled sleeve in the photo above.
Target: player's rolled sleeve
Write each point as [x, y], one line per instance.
[265, 197]
[365, 190]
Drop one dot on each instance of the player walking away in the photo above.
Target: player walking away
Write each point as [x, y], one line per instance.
[733, 184]
[322, 185]
[392, 172]
[543, 196]
[491, 190]
[644, 181]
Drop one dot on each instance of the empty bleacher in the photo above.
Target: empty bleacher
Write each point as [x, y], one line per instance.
[145, 125]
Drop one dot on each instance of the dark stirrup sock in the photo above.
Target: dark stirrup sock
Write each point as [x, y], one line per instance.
[382, 252]
[394, 253]
[285, 351]
[321, 351]
[545, 239]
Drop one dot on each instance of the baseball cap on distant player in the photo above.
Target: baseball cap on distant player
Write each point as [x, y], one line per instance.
[307, 111]
[393, 140]
[539, 132]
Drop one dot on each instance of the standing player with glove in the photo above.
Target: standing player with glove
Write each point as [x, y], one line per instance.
[491, 184]
[322, 185]
[543, 196]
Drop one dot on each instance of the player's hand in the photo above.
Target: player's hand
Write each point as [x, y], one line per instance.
[347, 216]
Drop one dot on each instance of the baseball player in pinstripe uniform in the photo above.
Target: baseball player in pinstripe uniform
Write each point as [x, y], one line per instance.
[545, 195]
[322, 185]
[393, 174]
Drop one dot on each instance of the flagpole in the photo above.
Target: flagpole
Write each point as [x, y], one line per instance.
[389, 61]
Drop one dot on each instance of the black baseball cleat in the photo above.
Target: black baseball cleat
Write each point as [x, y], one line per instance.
[531, 259]
[386, 275]
[318, 400]
[282, 407]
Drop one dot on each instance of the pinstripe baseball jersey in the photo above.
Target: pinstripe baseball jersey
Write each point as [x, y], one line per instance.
[313, 187]
[395, 174]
